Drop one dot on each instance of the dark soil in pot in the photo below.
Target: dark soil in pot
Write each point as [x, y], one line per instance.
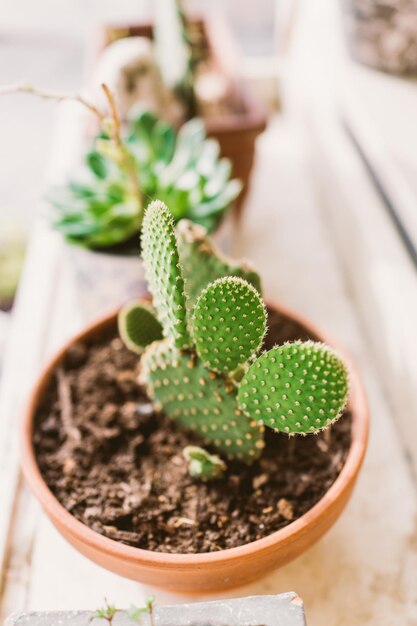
[117, 466]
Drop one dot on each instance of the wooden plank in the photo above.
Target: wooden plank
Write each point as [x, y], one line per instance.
[382, 277]
[17, 573]
[27, 516]
[25, 351]
[21, 363]
[388, 103]
[389, 176]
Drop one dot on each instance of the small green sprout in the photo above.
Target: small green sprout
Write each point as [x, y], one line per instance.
[107, 612]
[202, 464]
[135, 613]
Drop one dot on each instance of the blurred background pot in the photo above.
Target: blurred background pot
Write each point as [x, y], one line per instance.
[105, 280]
[383, 33]
[235, 128]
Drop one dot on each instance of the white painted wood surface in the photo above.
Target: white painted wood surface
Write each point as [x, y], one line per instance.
[381, 273]
[365, 570]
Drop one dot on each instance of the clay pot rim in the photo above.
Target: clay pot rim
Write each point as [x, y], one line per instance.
[165, 561]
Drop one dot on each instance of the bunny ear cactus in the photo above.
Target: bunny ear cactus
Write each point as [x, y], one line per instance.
[138, 326]
[207, 374]
[163, 272]
[200, 400]
[295, 388]
[229, 324]
[196, 251]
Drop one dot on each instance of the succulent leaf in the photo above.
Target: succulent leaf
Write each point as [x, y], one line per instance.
[183, 169]
[299, 387]
[160, 256]
[138, 325]
[196, 250]
[200, 400]
[202, 464]
[228, 324]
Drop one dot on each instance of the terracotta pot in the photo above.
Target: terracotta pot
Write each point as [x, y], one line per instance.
[237, 132]
[207, 572]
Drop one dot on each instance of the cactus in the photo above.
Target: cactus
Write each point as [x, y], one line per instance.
[295, 388]
[196, 250]
[199, 400]
[202, 464]
[160, 256]
[211, 379]
[138, 325]
[229, 324]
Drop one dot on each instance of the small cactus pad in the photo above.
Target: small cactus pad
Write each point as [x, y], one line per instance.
[138, 325]
[202, 263]
[295, 388]
[202, 464]
[199, 400]
[160, 256]
[229, 324]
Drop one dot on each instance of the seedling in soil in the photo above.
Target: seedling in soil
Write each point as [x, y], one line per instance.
[202, 464]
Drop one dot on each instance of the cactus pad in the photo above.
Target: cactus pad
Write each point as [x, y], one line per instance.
[197, 251]
[295, 388]
[229, 324]
[199, 400]
[202, 464]
[160, 256]
[138, 325]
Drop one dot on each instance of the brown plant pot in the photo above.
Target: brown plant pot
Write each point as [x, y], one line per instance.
[204, 572]
[237, 132]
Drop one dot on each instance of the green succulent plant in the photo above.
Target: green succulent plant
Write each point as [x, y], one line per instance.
[208, 372]
[104, 206]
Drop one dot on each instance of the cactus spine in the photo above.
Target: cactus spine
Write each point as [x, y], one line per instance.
[193, 375]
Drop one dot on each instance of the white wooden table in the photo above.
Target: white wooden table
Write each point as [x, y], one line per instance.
[303, 229]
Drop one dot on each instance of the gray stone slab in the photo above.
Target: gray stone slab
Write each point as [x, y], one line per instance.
[279, 610]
